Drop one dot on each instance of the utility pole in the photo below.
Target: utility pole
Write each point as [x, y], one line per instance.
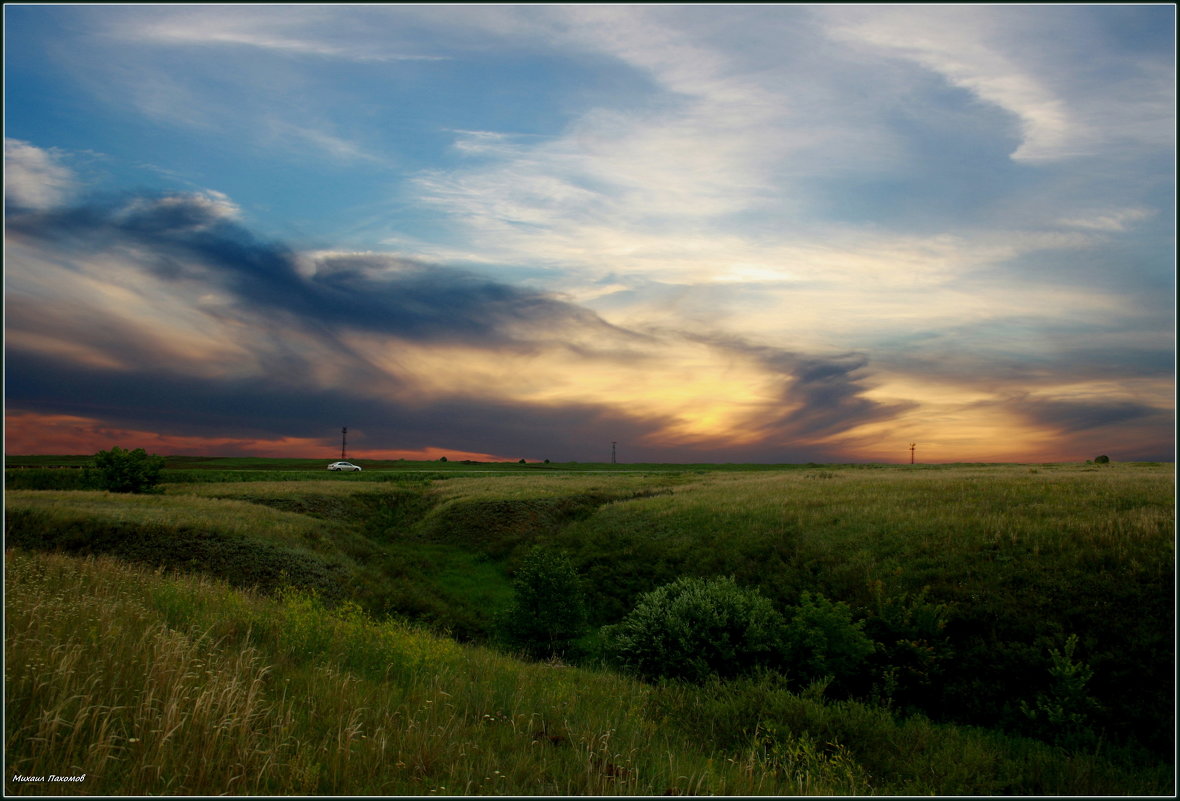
[612, 453]
[912, 446]
[343, 443]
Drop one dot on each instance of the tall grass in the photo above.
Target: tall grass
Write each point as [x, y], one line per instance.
[1020, 560]
[1015, 558]
[150, 684]
[233, 517]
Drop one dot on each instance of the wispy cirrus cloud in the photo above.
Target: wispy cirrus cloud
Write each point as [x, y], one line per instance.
[300, 31]
[236, 73]
[1061, 113]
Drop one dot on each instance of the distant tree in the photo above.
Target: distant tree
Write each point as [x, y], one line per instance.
[443, 459]
[549, 610]
[121, 470]
[521, 461]
[1104, 459]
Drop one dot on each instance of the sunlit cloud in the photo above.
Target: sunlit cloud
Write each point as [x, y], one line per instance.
[1110, 220]
[35, 178]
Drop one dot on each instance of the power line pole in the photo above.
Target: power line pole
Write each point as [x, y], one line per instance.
[912, 446]
[343, 443]
[612, 453]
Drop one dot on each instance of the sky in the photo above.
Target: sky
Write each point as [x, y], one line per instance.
[707, 233]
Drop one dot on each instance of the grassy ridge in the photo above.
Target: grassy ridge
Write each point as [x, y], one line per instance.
[155, 684]
[1007, 560]
[1018, 559]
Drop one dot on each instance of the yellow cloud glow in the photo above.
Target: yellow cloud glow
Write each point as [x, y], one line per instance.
[704, 394]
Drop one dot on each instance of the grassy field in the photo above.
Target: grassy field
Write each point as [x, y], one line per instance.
[388, 680]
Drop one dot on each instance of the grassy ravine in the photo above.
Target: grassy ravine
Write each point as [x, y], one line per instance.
[968, 577]
[156, 684]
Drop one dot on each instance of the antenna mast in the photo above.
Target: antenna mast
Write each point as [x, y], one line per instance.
[612, 453]
[343, 443]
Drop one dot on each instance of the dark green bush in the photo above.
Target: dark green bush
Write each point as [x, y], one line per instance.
[913, 652]
[1104, 459]
[128, 471]
[822, 640]
[693, 629]
[549, 610]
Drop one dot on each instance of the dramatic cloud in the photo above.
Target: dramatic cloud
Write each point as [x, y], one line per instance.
[741, 232]
[413, 355]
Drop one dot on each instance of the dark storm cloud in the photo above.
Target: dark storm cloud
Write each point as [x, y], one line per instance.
[824, 395]
[1070, 416]
[830, 394]
[1123, 430]
[294, 309]
[190, 237]
[271, 407]
[421, 301]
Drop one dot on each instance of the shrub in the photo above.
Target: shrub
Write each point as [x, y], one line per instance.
[1104, 459]
[822, 640]
[1065, 711]
[696, 628]
[128, 471]
[912, 650]
[549, 611]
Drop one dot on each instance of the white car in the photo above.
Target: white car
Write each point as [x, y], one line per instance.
[344, 466]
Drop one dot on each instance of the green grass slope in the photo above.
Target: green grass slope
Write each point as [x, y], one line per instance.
[142, 683]
[969, 578]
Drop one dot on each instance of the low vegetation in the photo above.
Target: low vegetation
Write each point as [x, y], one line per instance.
[972, 629]
[149, 683]
[120, 470]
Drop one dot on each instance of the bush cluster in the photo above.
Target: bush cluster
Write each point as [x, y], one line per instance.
[696, 629]
[121, 470]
